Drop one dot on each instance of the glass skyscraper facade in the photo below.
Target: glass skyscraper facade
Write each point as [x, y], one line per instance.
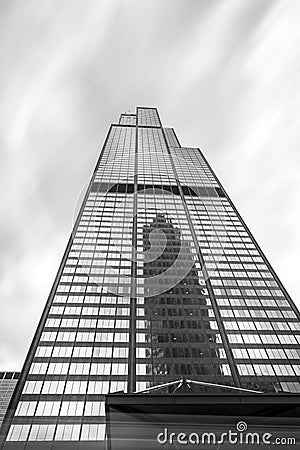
[161, 280]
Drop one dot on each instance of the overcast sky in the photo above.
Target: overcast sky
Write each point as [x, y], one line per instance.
[225, 74]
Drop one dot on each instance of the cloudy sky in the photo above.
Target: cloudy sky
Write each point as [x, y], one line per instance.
[224, 73]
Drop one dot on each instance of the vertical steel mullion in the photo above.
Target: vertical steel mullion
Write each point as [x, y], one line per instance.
[131, 384]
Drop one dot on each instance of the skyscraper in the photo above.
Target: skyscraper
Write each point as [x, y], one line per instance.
[161, 280]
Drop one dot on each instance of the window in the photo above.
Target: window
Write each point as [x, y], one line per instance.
[283, 369]
[100, 369]
[245, 369]
[18, 433]
[41, 433]
[93, 432]
[290, 386]
[119, 369]
[102, 352]
[79, 368]
[58, 368]
[120, 352]
[67, 432]
[25, 409]
[43, 351]
[94, 409]
[72, 408]
[47, 409]
[76, 387]
[53, 387]
[62, 352]
[82, 352]
[32, 387]
[98, 387]
[263, 369]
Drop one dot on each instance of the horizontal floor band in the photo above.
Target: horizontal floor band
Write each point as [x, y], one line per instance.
[194, 191]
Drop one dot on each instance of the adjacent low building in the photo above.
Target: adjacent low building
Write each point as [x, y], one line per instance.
[8, 381]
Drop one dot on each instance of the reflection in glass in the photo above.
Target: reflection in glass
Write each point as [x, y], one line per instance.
[179, 340]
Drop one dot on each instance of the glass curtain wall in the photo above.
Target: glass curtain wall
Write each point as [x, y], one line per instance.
[161, 280]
